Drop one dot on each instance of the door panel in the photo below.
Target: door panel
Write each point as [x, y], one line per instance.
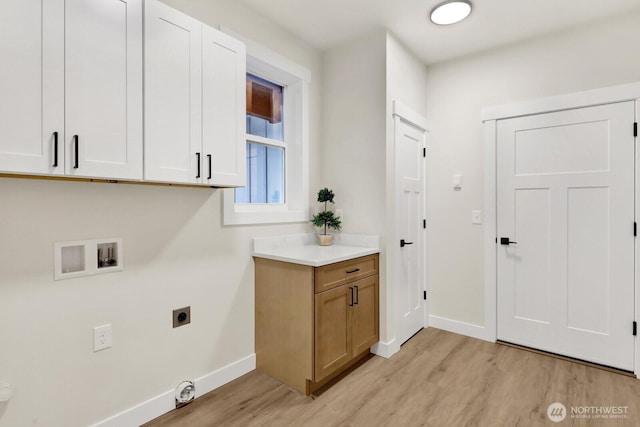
[333, 330]
[223, 104]
[566, 196]
[409, 141]
[365, 314]
[588, 266]
[173, 94]
[532, 225]
[103, 59]
[31, 86]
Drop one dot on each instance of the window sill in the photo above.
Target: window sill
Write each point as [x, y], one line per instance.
[259, 214]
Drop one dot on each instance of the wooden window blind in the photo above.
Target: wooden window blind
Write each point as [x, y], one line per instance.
[264, 99]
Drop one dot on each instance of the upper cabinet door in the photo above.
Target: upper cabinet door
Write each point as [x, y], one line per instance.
[223, 108]
[103, 50]
[173, 96]
[32, 86]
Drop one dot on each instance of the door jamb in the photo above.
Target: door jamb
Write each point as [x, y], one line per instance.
[490, 116]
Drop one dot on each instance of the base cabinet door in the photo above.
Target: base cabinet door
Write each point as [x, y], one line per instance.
[332, 331]
[364, 317]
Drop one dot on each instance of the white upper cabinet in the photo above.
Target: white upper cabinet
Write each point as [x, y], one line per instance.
[71, 93]
[103, 55]
[89, 52]
[194, 101]
[173, 95]
[32, 86]
[223, 108]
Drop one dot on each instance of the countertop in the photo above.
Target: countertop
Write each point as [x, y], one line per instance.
[303, 249]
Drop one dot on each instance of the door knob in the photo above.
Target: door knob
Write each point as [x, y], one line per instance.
[403, 243]
[506, 241]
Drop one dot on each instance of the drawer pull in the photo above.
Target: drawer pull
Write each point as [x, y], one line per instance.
[351, 291]
[353, 271]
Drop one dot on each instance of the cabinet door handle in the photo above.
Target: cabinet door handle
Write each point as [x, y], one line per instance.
[351, 291]
[55, 150]
[357, 295]
[353, 271]
[198, 160]
[209, 159]
[76, 152]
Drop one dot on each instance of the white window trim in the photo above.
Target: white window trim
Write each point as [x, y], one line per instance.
[296, 79]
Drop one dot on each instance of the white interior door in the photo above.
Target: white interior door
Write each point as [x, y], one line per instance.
[566, 199]
[410, 264]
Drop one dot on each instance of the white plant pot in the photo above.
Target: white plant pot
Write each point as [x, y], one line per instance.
[325, 239]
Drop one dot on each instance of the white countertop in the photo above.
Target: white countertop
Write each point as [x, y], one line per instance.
[303, 249]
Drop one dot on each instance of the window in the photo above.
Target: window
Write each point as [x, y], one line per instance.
[266, 154]
[277, 189]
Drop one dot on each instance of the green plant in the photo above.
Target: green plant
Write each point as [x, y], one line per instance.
[326, 218]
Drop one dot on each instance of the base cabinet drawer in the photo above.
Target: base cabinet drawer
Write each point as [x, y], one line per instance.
[306, 335]
[333, 275]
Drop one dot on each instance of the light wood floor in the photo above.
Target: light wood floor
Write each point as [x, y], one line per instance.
[438, 379]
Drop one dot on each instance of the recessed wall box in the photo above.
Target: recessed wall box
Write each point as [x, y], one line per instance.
[87, 257]
[107, 255]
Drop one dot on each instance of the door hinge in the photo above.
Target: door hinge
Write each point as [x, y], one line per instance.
[635, 328]
[424, 295]
[635, 129]
[424, 223]
[424, 152]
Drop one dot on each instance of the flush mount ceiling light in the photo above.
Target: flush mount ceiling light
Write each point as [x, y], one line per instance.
[450, 12]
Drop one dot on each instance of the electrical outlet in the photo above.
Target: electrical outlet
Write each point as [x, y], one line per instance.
[101, 337]
[181, 316]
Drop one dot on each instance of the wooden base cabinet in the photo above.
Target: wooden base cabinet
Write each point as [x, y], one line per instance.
[314, 322]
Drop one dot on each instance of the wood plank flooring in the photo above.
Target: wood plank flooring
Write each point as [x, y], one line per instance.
[438, 379]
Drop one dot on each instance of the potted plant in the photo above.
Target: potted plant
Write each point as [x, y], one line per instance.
[326, 218]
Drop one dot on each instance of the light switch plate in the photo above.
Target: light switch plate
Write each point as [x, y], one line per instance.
[457, 181]
[476, 217]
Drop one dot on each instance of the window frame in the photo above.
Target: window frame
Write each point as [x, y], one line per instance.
[295, 79]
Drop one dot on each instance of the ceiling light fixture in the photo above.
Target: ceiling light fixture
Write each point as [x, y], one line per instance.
[450, 12]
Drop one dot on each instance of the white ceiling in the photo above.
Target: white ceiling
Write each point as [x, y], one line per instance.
[325, 23]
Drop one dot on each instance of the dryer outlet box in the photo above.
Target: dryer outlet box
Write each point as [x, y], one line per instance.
[181, 316]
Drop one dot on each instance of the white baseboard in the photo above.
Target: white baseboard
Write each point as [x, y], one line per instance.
[165, 402]
[462, 328]
[387, 349]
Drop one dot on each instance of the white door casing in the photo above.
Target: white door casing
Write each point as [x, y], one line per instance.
[565, 194]
[410, 266]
